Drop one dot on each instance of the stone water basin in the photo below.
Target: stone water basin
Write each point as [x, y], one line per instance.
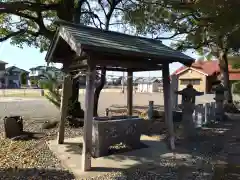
[108, 131]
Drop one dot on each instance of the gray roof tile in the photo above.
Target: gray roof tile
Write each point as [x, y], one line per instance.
[121, 42]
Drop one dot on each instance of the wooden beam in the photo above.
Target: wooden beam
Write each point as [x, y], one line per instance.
[79, 64]
[113, 69]
[159, 59]
[129, 93]
[131, 69]
[115, 63]
[158, 68]
[80, 67]
[66, 94]
[88, 118]
[168, 104]
[124, 63]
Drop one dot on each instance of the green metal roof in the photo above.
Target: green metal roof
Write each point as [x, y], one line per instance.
[115, 42]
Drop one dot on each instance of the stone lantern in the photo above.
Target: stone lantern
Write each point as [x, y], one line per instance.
[219, 90]
[188, 106]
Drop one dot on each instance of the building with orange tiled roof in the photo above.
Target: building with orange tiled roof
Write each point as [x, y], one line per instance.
[202, 74]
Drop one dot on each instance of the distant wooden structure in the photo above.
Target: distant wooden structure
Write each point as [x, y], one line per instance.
[81, 48]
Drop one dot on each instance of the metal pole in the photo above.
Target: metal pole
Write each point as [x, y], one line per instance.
[123, 83]
[149, 81]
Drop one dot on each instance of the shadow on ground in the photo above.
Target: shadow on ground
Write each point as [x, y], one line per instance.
[35, 174]
[214, 155]
[76, 148]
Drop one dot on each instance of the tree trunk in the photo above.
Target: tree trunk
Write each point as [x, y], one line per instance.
[66, 12]
[225, 75]
[98, 91]
[103, 71]
[75, 91]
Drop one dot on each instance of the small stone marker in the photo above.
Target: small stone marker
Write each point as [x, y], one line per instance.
[207, 113]
[13, 126]
[150, 110]
[106, 112]
[212, 111]
[198, 115]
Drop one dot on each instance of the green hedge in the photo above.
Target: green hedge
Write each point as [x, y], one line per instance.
[236, 87]
[46, 84]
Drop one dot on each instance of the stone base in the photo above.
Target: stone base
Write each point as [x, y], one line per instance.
[70, 156]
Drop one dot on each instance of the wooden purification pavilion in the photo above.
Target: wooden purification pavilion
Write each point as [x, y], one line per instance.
[80, 48]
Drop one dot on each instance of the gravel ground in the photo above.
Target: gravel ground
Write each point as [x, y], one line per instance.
[33, 160]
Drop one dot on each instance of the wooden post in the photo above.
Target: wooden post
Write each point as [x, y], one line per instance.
[174, 87]
[168, 104]
[129, 93]
[88, 118]
[66, 94]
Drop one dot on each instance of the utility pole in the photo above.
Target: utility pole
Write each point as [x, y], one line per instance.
[149, 83]
[123, 82]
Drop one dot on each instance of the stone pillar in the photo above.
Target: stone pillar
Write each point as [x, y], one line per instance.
[207, 113]
[187, 120]
[212, 109]
[199, 110]
[150, 110]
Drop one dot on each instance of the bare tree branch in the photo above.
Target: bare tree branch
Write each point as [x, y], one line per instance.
[170, 37]
[100, 3]
[93, 16]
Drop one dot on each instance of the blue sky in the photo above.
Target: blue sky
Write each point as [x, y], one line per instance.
[29, 57]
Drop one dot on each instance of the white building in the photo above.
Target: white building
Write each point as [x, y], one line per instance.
[148, 85]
